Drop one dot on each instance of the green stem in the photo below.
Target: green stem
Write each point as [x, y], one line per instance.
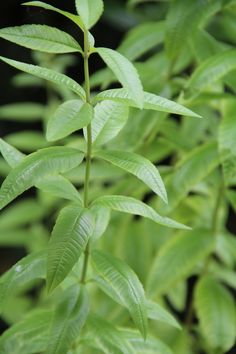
[89, 148]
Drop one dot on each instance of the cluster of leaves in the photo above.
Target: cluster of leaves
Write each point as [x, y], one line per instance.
[95, 298]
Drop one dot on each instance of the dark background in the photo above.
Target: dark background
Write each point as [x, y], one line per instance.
[108, 33]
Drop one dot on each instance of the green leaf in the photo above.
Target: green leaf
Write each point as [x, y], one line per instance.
[151, 101]
[177, 259]
[109, 118]
[22, 112]
[126, 284]
[68, 118]
[27, 140]
[134, 206]
[76, 19]
[68, 320]
[158, 313]
[30, 335]
[90, 11]
[34, 167]
[40, 37]
[138, 166]
[141, 39]
[212, 70]
[102, 218]
[227, 131]
[59, 186]
[125, 73]
[30, 268]
[70, 235]
[47, 74]
[216, 311]
[107, 337]
[12, 156]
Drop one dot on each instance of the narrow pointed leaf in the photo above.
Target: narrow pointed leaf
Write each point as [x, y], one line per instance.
[34, 167]
[177, 259]
[41, 37]
[47, 74]
[12, 156]
[68, 118]
[30, 268]
[68, 320]
[151, 101]
[109, 118]
[158, 313]
[138, 166]
[70, 235]
[59, 186]
[75, 18]
[90, 11]
[216, 311]
[126, 284]
[125, 73]
[22, 112]
[133, 206]
[107, 337]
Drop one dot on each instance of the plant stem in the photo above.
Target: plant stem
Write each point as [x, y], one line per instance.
[89, 148]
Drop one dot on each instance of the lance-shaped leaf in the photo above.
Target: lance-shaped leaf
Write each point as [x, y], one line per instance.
[47, 74]
[73, 228]
[151, 101]
[126, 284]
[60, 187]
[22, 112]
[68, 320]
[75, 18]
[141, 39]
[125, 73]
[68, 118]
[103, 335]
[30, 268]
[212, 70]
[11, 154]
[90, 11]
[138, 166]
[133, 206]
[158, 313]
[216, 311]
[34, 167]
[109, 118]
[177, 259]
[29, 335]
[41, 37]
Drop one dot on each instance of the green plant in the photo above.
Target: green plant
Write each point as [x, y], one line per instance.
[162, 257]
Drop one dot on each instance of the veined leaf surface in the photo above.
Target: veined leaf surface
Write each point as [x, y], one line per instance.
[12, 156]
[90, 11]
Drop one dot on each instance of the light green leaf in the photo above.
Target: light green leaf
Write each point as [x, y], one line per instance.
[30, 268]
[134, 206]
[68, 118]
[70, 235]
[177, 259]
[138, 166]
[68, 320]
[76, 19]
[212, 70]
[27, 140]
[30, 335]
[90, 11]
[125, 283]
[107, 337]
[125, 73]
[141, 39]
[216, 311]
[158, 313]
[59, 186]
[109, 118]
[34, 167]
[12, 156]
[102, 217]
[47, 74]
[22, 112]
[40, 37]
[151, 101]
